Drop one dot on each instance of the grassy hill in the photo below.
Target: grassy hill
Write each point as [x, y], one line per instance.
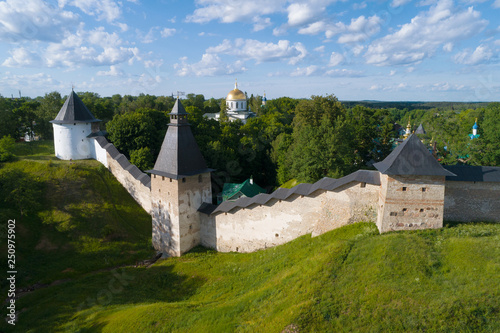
[76, 217]
[348, 280]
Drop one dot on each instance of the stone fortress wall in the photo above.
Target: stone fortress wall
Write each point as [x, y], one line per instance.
[136, 182]
[472, 201]
[267, 220]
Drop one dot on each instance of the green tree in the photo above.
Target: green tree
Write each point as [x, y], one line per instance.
[49, 107]
[142, 158]
[21, 191]
[132, 131]
[6, 148]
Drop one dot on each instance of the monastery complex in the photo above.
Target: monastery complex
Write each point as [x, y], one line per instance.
[409, 190]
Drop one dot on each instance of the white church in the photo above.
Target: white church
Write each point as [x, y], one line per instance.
[236, 106]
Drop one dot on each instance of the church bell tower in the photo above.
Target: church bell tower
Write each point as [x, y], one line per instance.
[180, 183]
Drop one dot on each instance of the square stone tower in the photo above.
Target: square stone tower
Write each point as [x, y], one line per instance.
[180, 183]
[412, 188]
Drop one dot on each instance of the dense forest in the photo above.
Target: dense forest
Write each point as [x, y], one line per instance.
[302, 139]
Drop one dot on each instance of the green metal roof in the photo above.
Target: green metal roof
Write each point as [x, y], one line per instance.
[246, 188]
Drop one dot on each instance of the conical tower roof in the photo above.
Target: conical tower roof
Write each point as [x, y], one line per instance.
[411, 158]
[420, 130]
[180, 155]
[74, 111]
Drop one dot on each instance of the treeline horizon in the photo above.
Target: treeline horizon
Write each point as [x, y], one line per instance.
[302, 139]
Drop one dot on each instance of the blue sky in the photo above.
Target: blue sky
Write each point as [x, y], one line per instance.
[427, 50]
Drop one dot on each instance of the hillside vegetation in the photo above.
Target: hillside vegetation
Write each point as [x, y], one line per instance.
[71, 217]
[348, 280]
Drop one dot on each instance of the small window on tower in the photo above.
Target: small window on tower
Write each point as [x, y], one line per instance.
[200, 179]
[424, 189]
[404, 189]
[363, 184]
[162, 177]
[183, 180]
[170, 179]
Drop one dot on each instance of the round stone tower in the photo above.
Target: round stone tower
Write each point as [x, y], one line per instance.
[72, 127]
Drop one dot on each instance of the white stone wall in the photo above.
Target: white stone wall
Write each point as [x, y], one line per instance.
[100, 153]
[71, 142]
[141, 193]
[280, 221]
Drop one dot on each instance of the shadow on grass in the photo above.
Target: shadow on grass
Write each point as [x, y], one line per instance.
[79, 299]
[452, 224]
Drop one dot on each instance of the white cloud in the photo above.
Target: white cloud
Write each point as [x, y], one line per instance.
[91, 48]
[167, 32]
[361, 5]
[209, 65]
[301, 13]
[343, 73]
[305, 71]
[448, 47]
[360, 29]
[153, 63]
[152, 34]
[336, 59]
[314, 70]
[260, 23]
[38, 80]
[482, 54]
[21, 57]
[399, 3]
[33, 20]
[103, 9]
[247, 49]
[427, 31]
[229, 11]
[496, 4]
[113, 71]
[320, 48]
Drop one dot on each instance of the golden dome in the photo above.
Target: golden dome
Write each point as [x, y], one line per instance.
[236, 94]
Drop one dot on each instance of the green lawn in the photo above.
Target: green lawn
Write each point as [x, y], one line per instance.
[348, 280]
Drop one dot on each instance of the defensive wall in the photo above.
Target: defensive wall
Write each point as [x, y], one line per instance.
[136, 182]
[474, 195]
[267, 220]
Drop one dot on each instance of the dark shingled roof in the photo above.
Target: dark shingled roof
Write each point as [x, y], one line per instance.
[420, 130]
[411, 158]
[74, 111]
[325, 184]
[468, 173]
[180, 155]
[178, 108]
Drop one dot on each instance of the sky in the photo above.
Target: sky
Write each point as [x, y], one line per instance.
[396, 50]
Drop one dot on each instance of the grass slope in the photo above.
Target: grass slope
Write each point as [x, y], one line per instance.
[86, 220]
[350, 279]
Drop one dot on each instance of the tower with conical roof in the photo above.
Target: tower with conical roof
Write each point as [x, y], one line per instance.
[180, 183]
[72, 126]
[412, 188]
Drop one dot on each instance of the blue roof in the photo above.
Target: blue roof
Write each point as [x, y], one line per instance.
[475, 126]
